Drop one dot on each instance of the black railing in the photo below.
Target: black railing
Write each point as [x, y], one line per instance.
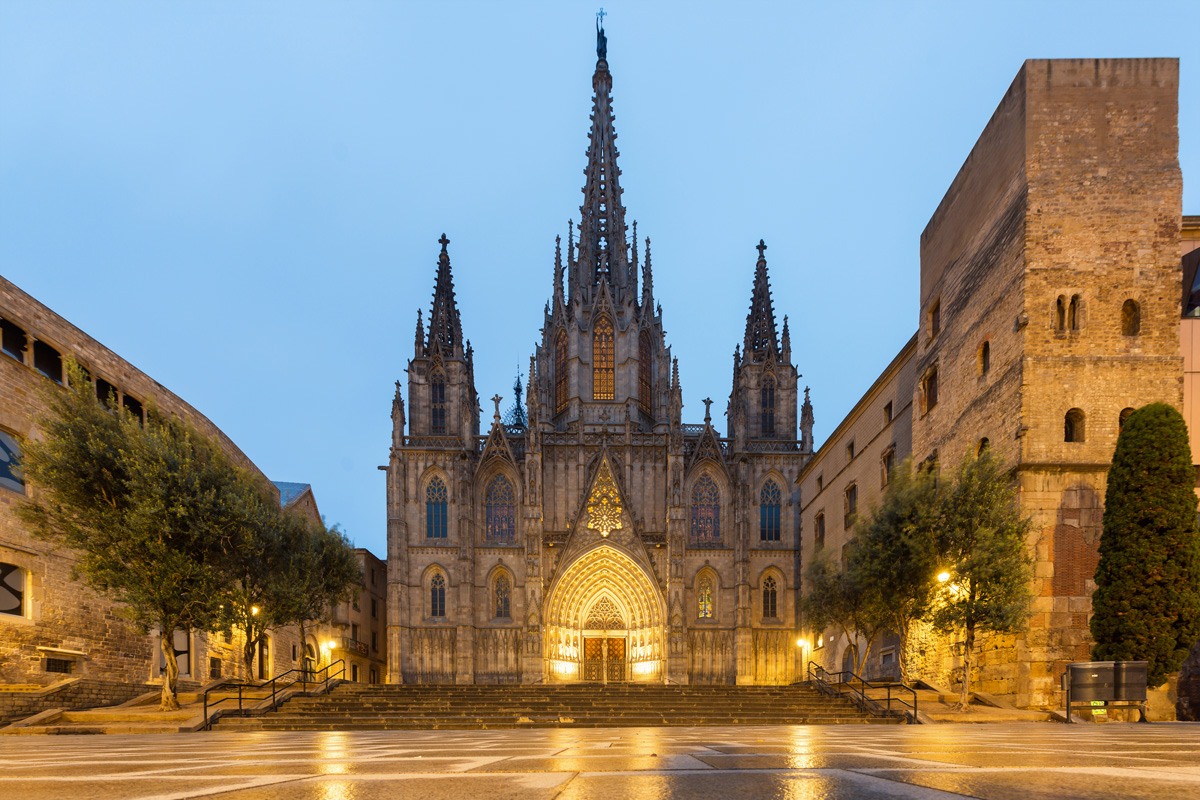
[878, 699]
[251, 698]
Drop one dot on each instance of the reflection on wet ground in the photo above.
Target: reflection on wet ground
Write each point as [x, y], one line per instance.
[1020, 761]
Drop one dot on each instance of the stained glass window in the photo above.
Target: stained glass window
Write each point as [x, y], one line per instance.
[501, 512]
[437, 406]
[770, 596]
[704, 599]
[503, 593]
[435, 509]
[770, 502]
[706, 513]
[603, 361]
[437, 596]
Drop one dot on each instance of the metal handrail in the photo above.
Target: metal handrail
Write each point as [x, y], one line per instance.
[828, 683]
[306, 676]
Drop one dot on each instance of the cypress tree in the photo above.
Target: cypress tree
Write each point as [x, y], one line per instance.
[1147, 601]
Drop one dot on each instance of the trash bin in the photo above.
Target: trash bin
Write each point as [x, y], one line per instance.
[1129, 680]
[1093, 680]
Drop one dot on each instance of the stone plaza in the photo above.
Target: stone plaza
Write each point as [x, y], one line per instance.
[1026, 761]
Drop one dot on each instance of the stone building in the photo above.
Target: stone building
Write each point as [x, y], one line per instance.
[592, 535]
[1050, 308]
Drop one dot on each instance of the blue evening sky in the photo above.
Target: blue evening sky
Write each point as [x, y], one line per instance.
[244, 198]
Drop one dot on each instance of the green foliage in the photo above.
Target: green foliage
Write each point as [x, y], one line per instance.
[982, 547]
[146, 507]
[1146, 606]
[896, 553]
[844, 599]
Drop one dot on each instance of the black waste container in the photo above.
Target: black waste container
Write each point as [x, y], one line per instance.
[1091, 680]
[1130, 680]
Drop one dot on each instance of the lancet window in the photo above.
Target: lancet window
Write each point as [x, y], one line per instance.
[437, 406]
[560, 373]
[603, 361]
[503, 594]
[437, 596]
[706, 513]
[435, 509]
[770, 598]
[766, 407]
[770, 503]
[500, 508]
[704, 598]
[645, 381]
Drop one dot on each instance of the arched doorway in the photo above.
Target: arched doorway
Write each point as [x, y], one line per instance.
[604, 621]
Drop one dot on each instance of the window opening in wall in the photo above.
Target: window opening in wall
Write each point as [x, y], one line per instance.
[706, 513]
[770, 503]
[59, 665]
[436, 498]
[354, 673]
[47, 361]
[214, 667]
[1075, 313]
[264, 658]
[704, 598]
[437, 596]
[354, 631]
[13, 340]
[106, 393]
[500, 509]
[374, 608]
[985, 357]
[820, 483]
[12, 590]
[1125, 412]
[887, 412]
[11, 476]
[1073, 426]
[850, 449]
[645, 372]
[766, 406]
[935, 318]
[984, 444]
[819, 532]
[294, 652]
[770, 597]
[133, 406]
[374, 641]
[886, 464]
[603, 361]
[851, 505]
[560, 372]
[437, 406]
[503, 593]
[1060, 313]
[929, 389]
[1131, 318]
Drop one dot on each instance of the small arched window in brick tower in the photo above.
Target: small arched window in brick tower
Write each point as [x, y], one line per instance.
[1060, 313]
[985, 357]
[1075, 313]
[1131, 318]
[1125, 412]
[1073, 426]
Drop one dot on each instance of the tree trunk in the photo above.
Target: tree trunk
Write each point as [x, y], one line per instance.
[304, 665]
[968, 648]
[903, 628]
[170, 679]
[248, 649]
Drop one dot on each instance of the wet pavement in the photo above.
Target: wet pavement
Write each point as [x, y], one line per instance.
[1019, 761]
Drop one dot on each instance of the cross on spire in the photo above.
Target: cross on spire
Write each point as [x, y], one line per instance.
[762, 249]
[443, 242]
[600, 15]
[707, 409]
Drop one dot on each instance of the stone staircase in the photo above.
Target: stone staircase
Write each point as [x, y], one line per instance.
[373, 707]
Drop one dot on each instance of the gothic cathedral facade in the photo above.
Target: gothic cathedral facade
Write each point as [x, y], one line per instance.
[591, 535]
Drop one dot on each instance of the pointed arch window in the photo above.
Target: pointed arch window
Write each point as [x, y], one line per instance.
[502, 596]
[437, 596]
[435, 509]
[770, 599]
[437, 405]
[500, 509]
[770, 503]
[560, 372]
[704, 598]
[766, 406]
[645, 365]
[603, 361]
[706, 513]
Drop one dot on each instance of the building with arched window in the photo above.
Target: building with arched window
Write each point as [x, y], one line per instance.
[589, 534]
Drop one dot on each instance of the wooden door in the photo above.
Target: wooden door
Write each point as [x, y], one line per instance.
[593, 659]
[614, 657]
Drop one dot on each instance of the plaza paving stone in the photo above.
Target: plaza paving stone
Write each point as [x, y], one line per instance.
[1006, 762]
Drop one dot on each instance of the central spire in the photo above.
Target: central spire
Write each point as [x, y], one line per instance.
[603, 254]
[761, 340]
[445, 328]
